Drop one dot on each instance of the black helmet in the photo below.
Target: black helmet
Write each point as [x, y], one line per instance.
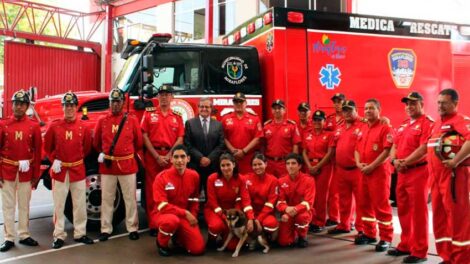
[116, 95]
[21, 96]
[70, 98]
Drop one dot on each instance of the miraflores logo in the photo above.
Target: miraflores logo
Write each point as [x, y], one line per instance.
[330, 48]
[402, 63]
[368, 23]
[234, 67]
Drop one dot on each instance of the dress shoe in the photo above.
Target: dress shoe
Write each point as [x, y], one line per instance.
[337, 231]
[29, 242]
[153, 232]
[397, 253]
[162, 251]
[362, 239]
[7, 245]
[84, 240]
[382, 246]
[413, 259]
[58, 243]
[315, 228]
[134, 235]
[302, 242]
[104, 236]
[331, 223]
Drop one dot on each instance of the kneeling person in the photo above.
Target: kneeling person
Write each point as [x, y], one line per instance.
[176, 194]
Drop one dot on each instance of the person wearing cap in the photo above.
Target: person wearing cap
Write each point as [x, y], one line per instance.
[304, 124]
[117, 163]
[372, 149]
[450, 180]
[243, 131]
[67, 142]
[162, 129]
[281, 138]
[20, 146]
[335, 119]
[408, 156]
[317, 153]
[348, 176]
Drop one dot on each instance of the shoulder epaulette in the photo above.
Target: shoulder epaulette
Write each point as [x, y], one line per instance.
[291, 121]
[226, 113]
[430, 118]
[252, 113]
[363, 120]
[150, 109]
[268, 122]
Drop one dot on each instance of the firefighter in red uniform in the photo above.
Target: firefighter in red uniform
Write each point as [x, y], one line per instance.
[304, 125]
[161, 130]
[408, 156]
[348, 176]
[336, 119]
[117, 163]
[262, 188]
[296, 197]
[317, 156]
[282, 138]
[67, 142]
[226, 189]
[176, 194]
[242, 131]
[372, 149]
[450, 180]
[20, 145]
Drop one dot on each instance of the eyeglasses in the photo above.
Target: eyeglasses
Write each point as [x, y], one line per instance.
[204, 106]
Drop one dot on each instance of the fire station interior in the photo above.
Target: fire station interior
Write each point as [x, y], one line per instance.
[94, 33]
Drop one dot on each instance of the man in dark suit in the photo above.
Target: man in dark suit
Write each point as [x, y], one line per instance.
[204, 138]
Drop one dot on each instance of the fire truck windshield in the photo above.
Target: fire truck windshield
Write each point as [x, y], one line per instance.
[128, 70]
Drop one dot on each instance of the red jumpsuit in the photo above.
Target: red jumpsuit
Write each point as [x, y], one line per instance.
[303, 130]
[280, 139]
[223, 194]
[317, 146]
[240, 132]
[412, 187]
[299, 193]
[348, 176]
[332, 123]
[163, 131]
[263, 194]
[375, 186]
[451, 219]
[173, 195]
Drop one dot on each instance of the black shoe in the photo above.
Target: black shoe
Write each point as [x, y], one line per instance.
[382, 246]
[162, 251]
[362, 239]
[134, 235]
[302, 242]
[337, 231]
[315, 228]
[7, 245]
[84, 240]
[29, 242]
[397, 253]
[331, 223]
[153, 232]
[104, 237]
[58, 243]
[413, 259]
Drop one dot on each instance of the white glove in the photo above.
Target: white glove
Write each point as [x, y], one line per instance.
[101, 157]
[23, 165]
[56, 166]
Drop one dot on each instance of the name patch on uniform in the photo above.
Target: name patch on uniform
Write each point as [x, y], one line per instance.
[285, 185]
[169, 186]
[218, 183]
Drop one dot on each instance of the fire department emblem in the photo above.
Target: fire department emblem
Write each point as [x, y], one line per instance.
[218, 183]
[183, 108]
[234, 67]
[169, 186]
[250, 121]
[248, 183]
[285, 185]
[153, 117]
[375, 147]
[270, 42]
[402, 63]
[268, 132]
[229, 122]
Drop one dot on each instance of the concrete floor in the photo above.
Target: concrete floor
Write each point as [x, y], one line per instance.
[119, 249]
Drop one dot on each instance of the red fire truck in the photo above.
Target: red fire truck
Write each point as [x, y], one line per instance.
[303, 56]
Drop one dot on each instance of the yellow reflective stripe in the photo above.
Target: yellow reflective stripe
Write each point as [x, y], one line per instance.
[280, 202]
[443, 239]
[301, 226]
[165, 233]
[368, 219]
[269, 205]
[161, 205]
[247, 208]
[217, 210]
[238, 199]
[306, 204]
[384, 223]
[461, 244]
[270, 229]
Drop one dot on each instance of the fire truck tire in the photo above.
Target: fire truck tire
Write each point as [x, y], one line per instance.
[93, 203]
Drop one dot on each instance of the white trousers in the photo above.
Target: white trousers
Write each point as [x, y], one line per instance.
[11, 191]
[60, 191]
[108, 195]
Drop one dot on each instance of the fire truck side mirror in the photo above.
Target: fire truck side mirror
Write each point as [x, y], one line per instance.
[147, 68]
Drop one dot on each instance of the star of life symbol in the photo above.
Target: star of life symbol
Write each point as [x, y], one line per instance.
[330, 76]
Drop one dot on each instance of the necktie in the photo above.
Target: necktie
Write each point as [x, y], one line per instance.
[204, 126]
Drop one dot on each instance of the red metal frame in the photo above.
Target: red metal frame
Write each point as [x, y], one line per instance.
[209, 22]
[125, 7]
